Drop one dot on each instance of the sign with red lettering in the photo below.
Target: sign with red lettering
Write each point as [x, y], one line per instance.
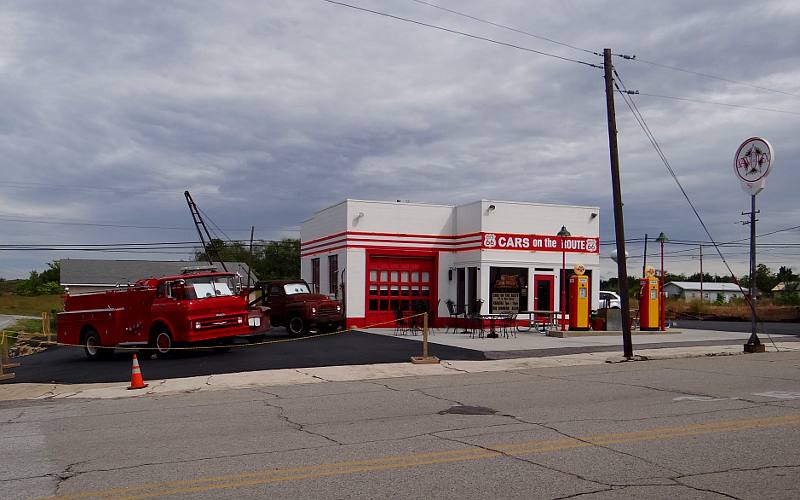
[540, 243]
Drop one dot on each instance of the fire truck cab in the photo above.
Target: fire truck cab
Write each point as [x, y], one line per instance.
[198, 307]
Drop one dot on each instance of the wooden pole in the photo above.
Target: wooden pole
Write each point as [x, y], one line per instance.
[4, 359]
[424, 359]
[619, 225]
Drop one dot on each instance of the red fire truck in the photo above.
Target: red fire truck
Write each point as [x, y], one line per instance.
[195, 307]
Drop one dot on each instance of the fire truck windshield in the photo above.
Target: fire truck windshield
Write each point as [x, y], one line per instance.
[209, 286]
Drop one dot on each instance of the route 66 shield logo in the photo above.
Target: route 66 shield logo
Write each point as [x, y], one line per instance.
[489, 240]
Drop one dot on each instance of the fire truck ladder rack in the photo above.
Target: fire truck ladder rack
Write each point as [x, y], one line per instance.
[211, 250]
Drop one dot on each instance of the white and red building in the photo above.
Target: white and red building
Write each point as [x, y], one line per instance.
[379, 256]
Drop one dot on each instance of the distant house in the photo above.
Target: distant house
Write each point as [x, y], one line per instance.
[91, 275]
[786, 287]
[690, 290]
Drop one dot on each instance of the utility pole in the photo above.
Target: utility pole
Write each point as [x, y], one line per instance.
[619, 226]
[644, 256]
[701, 274]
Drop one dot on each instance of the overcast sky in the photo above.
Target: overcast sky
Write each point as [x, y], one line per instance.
[270, 111]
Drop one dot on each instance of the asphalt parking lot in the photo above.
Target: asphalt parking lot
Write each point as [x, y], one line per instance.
[68, 365]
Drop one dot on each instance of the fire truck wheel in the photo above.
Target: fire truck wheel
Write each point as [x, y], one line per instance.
[296, 326]
[162, 341]
[92, 346]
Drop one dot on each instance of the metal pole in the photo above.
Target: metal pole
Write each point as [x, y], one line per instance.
[563, 285]
[619, 225]
[701, 274]
[662, 319]
[425, 335]
[753, 340]
[644, 257]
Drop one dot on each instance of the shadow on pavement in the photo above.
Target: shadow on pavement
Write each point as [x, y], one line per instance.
[68, 365]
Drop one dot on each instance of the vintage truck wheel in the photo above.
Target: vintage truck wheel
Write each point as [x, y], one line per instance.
[296, 326]
[162, 342]
[92, 346]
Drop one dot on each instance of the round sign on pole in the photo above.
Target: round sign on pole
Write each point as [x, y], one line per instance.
[753, 163]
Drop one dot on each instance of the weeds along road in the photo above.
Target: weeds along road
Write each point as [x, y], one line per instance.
[721, 427]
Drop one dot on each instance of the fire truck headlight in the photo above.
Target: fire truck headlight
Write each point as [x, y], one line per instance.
[197, 326]
[241, 320]
[338, 308]
[313, 310]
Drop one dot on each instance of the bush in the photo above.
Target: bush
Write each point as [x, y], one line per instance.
[697, 307]
[788, 299]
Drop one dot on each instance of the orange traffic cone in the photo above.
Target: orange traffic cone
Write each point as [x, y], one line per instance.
[136, 375]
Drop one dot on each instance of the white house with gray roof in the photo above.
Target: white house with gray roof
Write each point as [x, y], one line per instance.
[92, 275]
[690, 290]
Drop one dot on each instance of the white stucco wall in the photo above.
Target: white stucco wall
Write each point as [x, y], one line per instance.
[408, 226]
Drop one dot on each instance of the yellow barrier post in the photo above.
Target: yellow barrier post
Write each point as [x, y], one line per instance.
[4, 360]
[424, 359]
[46, 326]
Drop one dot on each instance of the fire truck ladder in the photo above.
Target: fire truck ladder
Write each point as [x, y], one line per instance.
[211, 250]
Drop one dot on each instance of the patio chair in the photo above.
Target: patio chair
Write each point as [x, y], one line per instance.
[475, 319]
[509, 323]
[455, 313]
[400, 322]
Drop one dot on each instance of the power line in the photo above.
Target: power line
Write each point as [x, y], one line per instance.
[623, 56]
[509, 28]
[646, 129]
[726, 104]
[462, 33]
[6, 218]
[706, 75]
[129, 226]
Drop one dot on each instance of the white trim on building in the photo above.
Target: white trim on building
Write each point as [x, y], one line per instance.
[399, 254]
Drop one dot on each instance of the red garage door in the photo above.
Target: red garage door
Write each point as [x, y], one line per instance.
[399, 283]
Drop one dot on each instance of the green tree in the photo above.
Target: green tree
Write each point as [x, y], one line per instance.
[46, 283]
[269, 259]
[765, 278]
[785, 275]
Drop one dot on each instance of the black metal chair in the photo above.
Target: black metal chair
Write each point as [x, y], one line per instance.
[455, 313]
[475, 319]
[509, 323]
[400, 323]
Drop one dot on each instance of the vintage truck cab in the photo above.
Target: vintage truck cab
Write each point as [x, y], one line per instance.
[292, 305]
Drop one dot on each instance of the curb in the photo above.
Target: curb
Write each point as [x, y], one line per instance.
[351, 373]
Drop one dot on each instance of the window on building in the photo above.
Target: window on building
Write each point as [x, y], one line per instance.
[508, 289]
[315, 274]
[333, 275]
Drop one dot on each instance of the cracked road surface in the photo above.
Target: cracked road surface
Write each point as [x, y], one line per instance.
[719, 427]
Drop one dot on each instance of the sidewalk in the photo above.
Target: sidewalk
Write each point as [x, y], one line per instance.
[520, 343]
[282, 377]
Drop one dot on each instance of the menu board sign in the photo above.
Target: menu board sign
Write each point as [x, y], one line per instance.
[504, 302]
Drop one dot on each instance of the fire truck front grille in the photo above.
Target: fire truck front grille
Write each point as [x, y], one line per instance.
[217, 322]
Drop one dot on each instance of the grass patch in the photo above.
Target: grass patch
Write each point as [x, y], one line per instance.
[26, 326]
[30, 306]
[737, 310]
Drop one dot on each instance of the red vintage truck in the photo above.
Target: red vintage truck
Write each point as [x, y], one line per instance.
[196, 307]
